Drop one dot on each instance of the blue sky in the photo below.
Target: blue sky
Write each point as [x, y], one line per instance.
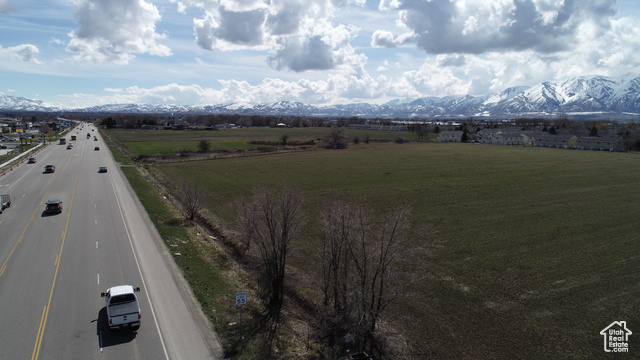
[79, 53]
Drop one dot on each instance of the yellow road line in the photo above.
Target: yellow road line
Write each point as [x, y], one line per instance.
[33, 216]
[41, 328]
[43, 322]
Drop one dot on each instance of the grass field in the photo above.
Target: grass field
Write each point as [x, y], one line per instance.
[540, 246]
[161, 141]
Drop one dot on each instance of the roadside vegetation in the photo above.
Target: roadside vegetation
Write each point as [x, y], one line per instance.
[506, 252]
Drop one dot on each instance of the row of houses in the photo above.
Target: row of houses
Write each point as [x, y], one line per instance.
[378, 127]
[500, 137]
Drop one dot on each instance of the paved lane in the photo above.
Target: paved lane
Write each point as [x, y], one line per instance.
[53, 268]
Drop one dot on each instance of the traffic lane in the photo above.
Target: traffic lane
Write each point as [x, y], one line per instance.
[30, 276]
[25, 285]
[185, 329]
[97, 243]
[71, 330]
[26, 185]
[28, 190]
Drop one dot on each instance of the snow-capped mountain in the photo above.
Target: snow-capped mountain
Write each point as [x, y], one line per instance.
[611, 97]
[577, 95]
[23, 104]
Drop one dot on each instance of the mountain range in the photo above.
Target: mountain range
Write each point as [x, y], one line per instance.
[585, 96]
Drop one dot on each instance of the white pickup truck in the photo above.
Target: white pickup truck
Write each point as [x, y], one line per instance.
[123, 310]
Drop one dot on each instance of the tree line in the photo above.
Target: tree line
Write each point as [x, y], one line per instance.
[360, 272]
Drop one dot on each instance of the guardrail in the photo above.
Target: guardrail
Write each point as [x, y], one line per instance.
[20, 159]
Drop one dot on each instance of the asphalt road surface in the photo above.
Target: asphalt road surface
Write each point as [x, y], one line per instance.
[53, 267]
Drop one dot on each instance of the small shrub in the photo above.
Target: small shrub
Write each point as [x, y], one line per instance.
[335, 140]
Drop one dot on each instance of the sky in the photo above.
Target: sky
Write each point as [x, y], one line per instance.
[80, 53]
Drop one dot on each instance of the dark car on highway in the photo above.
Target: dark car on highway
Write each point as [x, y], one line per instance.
[32, 160]
[53, 206]
[102, 169]
[49, 168]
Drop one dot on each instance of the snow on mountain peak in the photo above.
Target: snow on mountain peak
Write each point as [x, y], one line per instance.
[585, 94]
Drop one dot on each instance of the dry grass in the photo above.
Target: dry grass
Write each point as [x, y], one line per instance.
[540, 246]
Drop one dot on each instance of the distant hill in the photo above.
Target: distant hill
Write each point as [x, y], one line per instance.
[592, 96]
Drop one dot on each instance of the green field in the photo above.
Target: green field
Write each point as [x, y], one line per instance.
[141, 142]
[539, 251]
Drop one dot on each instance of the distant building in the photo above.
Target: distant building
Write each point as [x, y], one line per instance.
[378, 127]
[600, 143]
[555, 141]
[226, 126]
[450, 136]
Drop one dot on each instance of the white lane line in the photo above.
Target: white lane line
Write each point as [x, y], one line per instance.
[144, 284]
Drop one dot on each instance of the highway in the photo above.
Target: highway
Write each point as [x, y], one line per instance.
[54, 267]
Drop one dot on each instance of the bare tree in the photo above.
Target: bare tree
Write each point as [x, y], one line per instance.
[335, 140]
[360, 276]
[191, 196]
[277, 216]
[244, 219]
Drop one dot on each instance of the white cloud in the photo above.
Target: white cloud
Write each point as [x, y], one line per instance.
[323, 51]
[243, 28]
[24, 52]
[115, 30]
[300, 34]
[476, 27]
[383, 38]
[6, 7]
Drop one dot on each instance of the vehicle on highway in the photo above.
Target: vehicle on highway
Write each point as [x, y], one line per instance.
[96, 148]
[62, 141]
[95, 138]
[31, 160]
[102, 169]
[70, 146]
[88, 135]
[73, 137]
[123, 310]
[49, 168]
[53, 206]
[5, 202]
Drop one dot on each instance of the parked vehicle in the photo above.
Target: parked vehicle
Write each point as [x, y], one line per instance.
[5, 202]
[123, 310]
